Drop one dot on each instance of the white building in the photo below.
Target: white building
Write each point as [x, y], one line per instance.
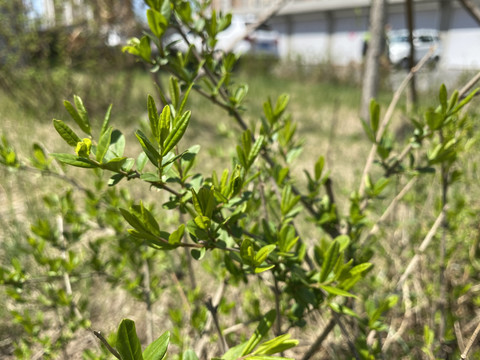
[333, 30]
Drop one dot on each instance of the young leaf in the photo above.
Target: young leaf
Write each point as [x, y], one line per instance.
[336, 291]
[281, 104]
[106, 120]
[174, 89]
[66, 133]
[329, 261]
[128, 345]
[164, 129]
[255, 150]
[374, 115]
[157, 350]
[263, 253]
[368, 131]
[442, 96]
[276, 345]
[103, 144]
[82, 112]
[176, 236]
[153, 118]
[148, 148]
[73, 160]
[185, 98]
[319, 167]
[260, 332]
[156, 22]
[177, 133]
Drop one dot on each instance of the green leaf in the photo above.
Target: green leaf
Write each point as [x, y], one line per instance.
[263, 253]
[281, 104]
[368, 131]
[260, 332]
[433, 119]
[128, 345]
[360, 268]
[114, 164]
[141, 161]
[82, 112]
[75, 160]
[260, 269]
[276, 345]
[103, 144]
[157, 350]
[177, 133]
[153, 118]
[148, 148]
[319, 167]
[106, 120]
[66, 133]
[442, 96]
[174, 89]
[176, 236]
[255, 150]
[157, 22]
[164, 128]
[466, 100]
[374, 115]
[189, 355]
[336, 291]
[329, 260]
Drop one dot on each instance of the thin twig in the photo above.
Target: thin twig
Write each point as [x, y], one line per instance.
[421, 249]
[469, 85]
[318, 342]
[148, 301]
[345, 333]
[104, 341]
[390, 208]
[203, 342]
[213, 311]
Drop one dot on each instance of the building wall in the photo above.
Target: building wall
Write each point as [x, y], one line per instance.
[336, 35]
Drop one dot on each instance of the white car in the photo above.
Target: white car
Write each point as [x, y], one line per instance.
[236, 39]
[423, 41]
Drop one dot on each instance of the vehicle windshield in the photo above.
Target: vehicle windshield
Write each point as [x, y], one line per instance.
[399, 39]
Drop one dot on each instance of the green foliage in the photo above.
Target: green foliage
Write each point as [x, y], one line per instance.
[244, 227]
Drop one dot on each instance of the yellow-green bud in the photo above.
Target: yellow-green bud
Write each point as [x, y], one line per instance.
[83, 148]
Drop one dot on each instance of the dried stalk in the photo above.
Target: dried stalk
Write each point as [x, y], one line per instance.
[470, 343]
[421, 249]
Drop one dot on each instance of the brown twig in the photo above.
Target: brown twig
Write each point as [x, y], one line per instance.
[104, 341]
[320, 339]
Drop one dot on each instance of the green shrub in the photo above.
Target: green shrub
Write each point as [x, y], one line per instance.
[245, 224]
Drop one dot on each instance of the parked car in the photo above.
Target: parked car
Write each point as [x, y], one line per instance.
[423, 41]
[236, 38]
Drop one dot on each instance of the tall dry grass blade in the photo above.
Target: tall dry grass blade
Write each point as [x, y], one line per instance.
[471, 342]
[421, 249]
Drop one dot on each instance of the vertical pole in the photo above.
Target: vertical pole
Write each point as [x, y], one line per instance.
[412, 90]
